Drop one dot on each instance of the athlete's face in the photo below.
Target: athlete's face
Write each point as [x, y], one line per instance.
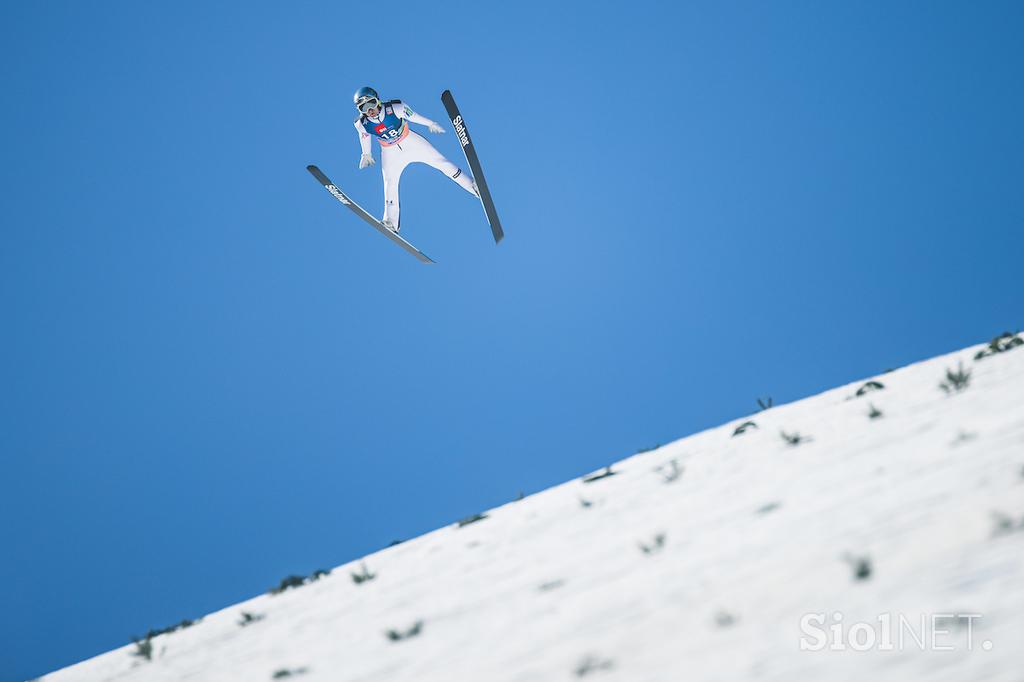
[372, 112]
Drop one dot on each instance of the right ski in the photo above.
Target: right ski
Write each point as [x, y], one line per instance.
[474, 163]
[361, 212]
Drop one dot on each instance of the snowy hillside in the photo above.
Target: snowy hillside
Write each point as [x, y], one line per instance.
[711, 558]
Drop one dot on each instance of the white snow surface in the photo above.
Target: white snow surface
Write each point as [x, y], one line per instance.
[757, 533]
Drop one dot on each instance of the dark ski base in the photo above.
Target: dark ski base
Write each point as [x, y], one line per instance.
[469, 149]
[361, 212]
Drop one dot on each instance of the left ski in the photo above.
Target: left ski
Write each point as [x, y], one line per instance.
[361, 212]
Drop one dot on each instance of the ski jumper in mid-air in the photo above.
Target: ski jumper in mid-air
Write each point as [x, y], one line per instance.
[400, 146]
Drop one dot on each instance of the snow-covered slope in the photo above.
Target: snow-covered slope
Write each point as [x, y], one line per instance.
[700, 560]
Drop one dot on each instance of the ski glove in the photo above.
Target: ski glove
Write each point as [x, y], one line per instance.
[436, 129]
[366, 160]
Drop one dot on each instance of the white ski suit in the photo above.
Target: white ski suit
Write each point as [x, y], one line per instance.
[400, 146]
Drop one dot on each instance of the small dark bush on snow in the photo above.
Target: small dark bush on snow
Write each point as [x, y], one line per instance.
[670, 472]
[471, 519]
[592, 664]
[1002, 343]
[399, 635]
[363, 576]
[861, 566]
[795, 438]
[285, 672]
[656, 546]
[1004, 525]
[599, 475]
[744, 427]
[956, 381]
[724, 619]
[294, 581]
[869, 387]
[143, 648]
[250, 618]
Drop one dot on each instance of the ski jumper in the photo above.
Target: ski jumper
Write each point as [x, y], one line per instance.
[400, 146]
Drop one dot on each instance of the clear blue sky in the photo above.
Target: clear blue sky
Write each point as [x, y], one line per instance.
[214, 376]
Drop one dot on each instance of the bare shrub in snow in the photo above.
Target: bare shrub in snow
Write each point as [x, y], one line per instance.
[471, 519]
[724, 619]
[656, 545]
[289, 672]
[173, 628]
[1004, 524]
[592, 664]
[1002, 343]
[599, 475]
[963, 437]
[288, 583]
[861, 566]
[293, 581]
[764, 403]
[363, 576]
[795, 438]
[250, 618]
[956, 381]
[670, 472]
[869, 387]
[744, 427]
[143, 648]
[399, 635]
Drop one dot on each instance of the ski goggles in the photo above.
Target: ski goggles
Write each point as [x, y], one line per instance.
[368, 103]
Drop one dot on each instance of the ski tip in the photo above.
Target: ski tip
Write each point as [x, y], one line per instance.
[312, 168]
[446, 94]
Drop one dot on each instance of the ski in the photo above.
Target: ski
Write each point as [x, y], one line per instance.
[469, 149]
[361, 212]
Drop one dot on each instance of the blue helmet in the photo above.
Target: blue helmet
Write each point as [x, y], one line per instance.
[365, 97]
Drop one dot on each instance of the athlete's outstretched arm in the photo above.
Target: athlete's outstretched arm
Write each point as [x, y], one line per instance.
[406, 112]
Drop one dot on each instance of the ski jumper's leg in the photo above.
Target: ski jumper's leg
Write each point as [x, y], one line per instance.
[393, 161]
[424, 152]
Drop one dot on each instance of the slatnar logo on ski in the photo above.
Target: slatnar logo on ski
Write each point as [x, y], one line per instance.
[460, 128]
[338, 195]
